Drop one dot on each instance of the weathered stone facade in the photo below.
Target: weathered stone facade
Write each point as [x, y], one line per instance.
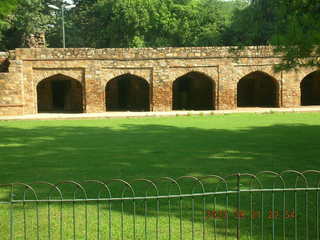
[93, 69]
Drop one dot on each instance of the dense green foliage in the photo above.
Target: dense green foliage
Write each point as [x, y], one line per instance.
[6, 7]
[24, 23]
[123, 23]
[292, 25]
[145, 23]
[301, 33]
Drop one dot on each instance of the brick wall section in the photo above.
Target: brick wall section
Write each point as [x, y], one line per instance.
[93, 68]
[11, 102]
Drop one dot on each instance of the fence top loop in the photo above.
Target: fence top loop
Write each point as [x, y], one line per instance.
[195, 179]
[154, 186]
[104, 187]
[299, 175]
[27, 187]
[125, 183]
[52, 188]
[317, 172]
[171, 180]
[311, 171]
[238, 176]
[253, 177]
[76, 184]
[221, 180]
[275, 175]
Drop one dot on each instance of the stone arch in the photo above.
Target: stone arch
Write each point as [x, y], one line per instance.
[59, 93]
[127, 92]
[193, 91]
[40, 74]
[257, 89]
[310, 89]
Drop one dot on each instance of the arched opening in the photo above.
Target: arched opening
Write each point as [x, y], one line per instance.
[257, 89]
[127, 93]
[59, 93]
[193, 91]
[310, 89]
[4, 65]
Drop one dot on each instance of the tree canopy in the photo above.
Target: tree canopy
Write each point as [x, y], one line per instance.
[6, 8]
[292, 26]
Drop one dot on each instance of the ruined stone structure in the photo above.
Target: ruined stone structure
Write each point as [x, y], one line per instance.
[37, 40]
[160, 79]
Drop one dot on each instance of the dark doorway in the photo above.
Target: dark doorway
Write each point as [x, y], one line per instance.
[310, 89]
[4, 65]
[127, 93]
[59, 90]
[59, 93]
[193, 91]
[257, 89]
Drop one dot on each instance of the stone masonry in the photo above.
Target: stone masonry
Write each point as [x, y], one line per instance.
[159, 67]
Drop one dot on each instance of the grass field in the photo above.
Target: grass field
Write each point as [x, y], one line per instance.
[156, 147]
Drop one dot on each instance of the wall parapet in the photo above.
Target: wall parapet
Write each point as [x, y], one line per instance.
[142, 53]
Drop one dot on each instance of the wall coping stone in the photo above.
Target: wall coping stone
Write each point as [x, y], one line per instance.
[141, 53]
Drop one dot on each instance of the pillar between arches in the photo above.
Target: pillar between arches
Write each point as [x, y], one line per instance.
[94, 101]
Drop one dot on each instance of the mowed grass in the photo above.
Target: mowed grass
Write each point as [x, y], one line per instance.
[154, 147]
[102, 149]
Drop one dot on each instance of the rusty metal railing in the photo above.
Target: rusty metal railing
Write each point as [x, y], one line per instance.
[267, 205]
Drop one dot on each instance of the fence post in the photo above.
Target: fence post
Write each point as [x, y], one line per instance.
[11, 213]
[238, 206]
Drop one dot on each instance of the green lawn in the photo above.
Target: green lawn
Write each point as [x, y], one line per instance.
[151, 148]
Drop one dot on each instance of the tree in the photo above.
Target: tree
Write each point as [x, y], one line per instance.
[292, 26]
[80, 27]
[299, 38]
[145, 23]
[23, 23]
[6, 8]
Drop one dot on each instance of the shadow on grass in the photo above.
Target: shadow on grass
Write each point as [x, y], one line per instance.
[56, 153]
[151, 151]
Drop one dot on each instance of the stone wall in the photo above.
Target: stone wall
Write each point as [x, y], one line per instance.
[160, 67]
[11, 90]
[143, 53]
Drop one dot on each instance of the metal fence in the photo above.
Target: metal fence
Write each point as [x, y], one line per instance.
[267, 205]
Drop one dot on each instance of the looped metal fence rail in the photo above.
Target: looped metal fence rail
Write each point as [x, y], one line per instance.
[267, 205]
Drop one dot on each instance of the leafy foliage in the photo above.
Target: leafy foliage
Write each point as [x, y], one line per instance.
[300, 36]
[122, 23]
[145, 23]
[291, 25]
[6, 7]
[24, 23]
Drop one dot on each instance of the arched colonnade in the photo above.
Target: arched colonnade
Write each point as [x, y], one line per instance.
[191, 91]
